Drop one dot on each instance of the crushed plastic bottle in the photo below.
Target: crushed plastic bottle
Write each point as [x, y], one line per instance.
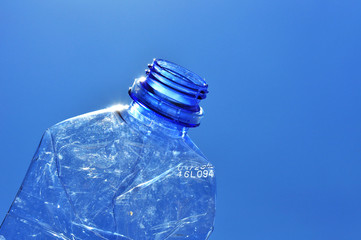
[126, 172]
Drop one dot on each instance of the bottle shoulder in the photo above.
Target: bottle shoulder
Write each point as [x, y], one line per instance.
[98, 129]
[95, 118]
[93, 127]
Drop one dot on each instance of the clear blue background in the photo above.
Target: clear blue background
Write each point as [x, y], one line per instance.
[283, 116]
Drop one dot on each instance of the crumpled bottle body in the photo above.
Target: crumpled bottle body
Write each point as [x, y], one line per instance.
[96, 176]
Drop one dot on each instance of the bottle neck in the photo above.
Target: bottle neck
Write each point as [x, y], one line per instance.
[171, 91]
[147, 121]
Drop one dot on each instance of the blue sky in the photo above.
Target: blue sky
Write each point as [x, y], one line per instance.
[282, 120]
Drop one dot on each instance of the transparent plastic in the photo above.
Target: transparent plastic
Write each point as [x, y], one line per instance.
[125, 172]
[172, 91]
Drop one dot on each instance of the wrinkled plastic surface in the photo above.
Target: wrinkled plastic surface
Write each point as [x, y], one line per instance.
[107, 175]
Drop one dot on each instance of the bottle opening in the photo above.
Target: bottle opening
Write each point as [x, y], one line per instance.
[172, 91]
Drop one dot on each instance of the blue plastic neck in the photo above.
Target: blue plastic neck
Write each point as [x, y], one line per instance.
[171, 91]
[147, 121]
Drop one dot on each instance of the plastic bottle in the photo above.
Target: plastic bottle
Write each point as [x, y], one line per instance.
[126, 172]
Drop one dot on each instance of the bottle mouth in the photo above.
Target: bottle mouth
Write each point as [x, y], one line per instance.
[171, 91]
[180, 75]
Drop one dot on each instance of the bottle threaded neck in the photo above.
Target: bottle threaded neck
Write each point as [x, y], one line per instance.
[171, 91]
